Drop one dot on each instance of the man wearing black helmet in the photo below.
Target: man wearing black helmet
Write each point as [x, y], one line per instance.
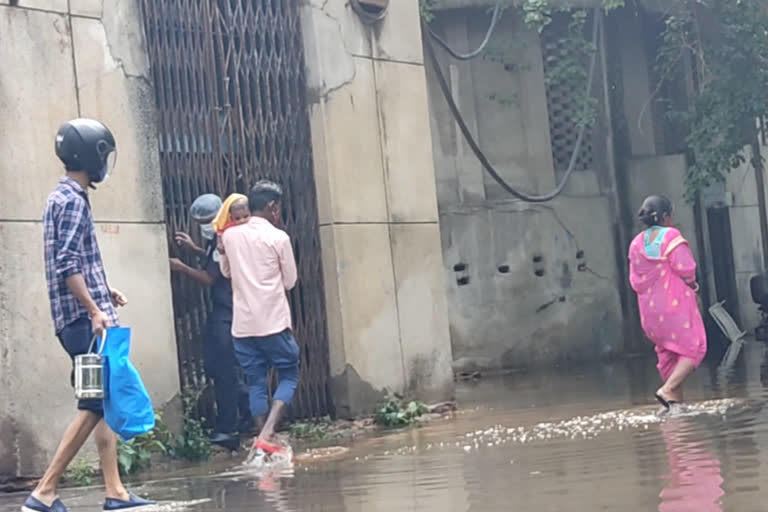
[82, 304]
[218, 349]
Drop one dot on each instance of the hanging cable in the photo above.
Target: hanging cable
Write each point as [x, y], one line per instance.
[471, 55]
[473, 144]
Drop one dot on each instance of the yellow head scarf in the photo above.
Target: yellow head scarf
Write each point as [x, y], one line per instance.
[223, 219]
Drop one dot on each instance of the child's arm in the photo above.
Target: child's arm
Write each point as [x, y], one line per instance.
[226, 270]
[287, 262]
[224, 266]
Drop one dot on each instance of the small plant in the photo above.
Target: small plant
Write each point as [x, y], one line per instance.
[136, 454]
[132, 456]
[312, 430]
[427, 9]
[80, 473]
[396, 411]
[193, 443]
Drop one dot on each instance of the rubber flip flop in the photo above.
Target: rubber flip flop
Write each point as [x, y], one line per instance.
[268, 447]
[663, 401]
[666, 403]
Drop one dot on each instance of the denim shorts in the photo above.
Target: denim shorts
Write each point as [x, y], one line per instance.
[76, 339]
[257, 355]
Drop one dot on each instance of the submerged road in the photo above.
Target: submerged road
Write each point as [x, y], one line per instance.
[554, 441]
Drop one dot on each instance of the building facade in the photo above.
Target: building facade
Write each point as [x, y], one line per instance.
[536, 284]
[370, 157]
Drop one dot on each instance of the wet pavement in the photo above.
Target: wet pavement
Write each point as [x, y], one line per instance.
[559, 441]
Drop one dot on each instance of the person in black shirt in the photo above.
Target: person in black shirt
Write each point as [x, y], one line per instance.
[218, 350]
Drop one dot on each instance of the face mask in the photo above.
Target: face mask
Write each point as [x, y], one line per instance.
[207, 231]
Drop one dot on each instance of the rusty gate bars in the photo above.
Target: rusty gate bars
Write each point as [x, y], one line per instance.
[230, 92]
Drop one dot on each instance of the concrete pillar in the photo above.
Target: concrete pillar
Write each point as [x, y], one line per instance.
[62, 60]
[742, 193]
[638, 106]
[387, 312]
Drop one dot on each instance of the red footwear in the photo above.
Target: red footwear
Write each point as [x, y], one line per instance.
[268, 447]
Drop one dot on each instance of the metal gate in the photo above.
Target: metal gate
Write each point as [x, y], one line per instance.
[230, 91]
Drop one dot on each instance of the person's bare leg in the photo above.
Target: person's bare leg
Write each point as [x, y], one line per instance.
[259, 422]
[106, 443]
[673, 387]
[75, 436]
[275, 415]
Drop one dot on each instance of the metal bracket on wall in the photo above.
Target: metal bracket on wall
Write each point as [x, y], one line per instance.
[370, 11]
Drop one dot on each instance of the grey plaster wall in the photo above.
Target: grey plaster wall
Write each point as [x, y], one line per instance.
[527, 284]
[386, 299]
[62, 60]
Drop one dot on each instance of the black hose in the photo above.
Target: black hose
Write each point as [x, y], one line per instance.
[471, 55]
[473, 144]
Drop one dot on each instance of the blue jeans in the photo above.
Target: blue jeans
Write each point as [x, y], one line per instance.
[257, 355]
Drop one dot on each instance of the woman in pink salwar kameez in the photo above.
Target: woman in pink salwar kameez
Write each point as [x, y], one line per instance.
[663, 274]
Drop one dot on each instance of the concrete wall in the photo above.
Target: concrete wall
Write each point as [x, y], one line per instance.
[663, 175]
[502, 314]
[459, 4]
[376, 198]
[636, 83]
[513, 130]
[62, 59]
[492, 322]
[741, 198]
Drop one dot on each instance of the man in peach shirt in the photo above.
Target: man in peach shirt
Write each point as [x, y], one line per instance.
[259, 259]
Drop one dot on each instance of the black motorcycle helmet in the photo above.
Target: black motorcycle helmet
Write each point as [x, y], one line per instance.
[86, 145]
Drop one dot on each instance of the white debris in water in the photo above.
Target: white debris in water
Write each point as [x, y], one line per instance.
[173, 506]
[579, 427]
[258, 461]
[587, 427]
[327, 452]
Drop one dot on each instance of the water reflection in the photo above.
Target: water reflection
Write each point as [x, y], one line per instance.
[585, 439]
[694, 480]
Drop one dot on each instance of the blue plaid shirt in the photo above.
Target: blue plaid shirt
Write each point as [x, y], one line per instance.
[71, 248]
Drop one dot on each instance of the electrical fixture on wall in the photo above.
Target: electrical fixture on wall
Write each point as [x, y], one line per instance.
[370, 11]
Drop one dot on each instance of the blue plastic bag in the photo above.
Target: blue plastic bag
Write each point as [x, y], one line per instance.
[127, 407]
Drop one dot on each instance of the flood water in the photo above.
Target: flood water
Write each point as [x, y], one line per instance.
[562, 441]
